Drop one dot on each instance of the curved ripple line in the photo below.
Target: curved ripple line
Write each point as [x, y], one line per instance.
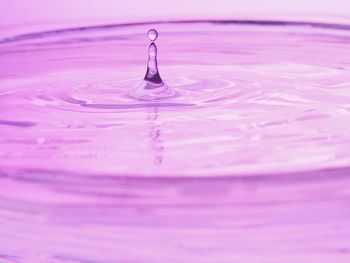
[42, 34]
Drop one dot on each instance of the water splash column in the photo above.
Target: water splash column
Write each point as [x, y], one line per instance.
[152, 87]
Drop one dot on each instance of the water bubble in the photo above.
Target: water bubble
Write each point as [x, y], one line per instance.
[152, 34]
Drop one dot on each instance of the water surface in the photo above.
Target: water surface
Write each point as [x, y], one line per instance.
[247, 163]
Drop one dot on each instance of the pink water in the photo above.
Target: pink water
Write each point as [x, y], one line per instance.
[248, 163]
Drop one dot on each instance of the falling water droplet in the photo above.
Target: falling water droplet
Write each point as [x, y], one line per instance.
[152, 87]
[152, 34]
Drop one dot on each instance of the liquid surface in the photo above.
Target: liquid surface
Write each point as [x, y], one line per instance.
[246, 163]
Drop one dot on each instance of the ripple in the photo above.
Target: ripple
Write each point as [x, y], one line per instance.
[252, 150]
[17, 123]
[237, 99]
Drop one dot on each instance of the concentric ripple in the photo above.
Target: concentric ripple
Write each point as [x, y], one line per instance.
[254, 146]
[250, 99]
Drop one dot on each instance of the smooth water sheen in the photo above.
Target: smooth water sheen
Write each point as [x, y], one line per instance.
[248, 162]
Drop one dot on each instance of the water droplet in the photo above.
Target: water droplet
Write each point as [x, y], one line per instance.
[152, 87]
[152, 34]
